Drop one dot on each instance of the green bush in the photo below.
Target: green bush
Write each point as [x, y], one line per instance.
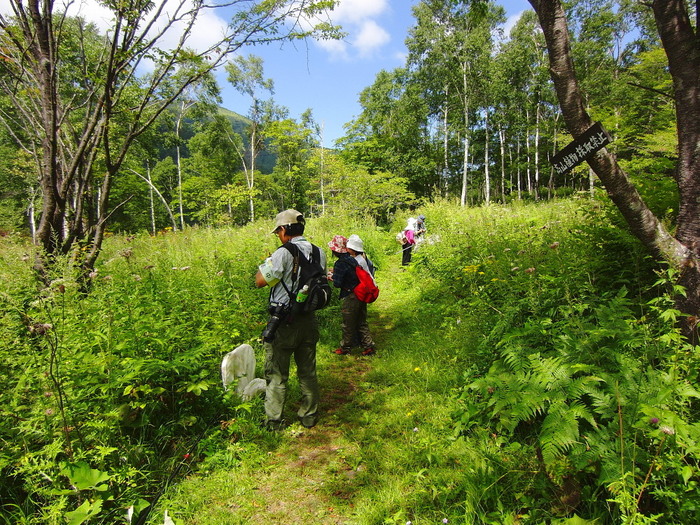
[530, 372]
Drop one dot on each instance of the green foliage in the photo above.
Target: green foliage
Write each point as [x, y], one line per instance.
[529, 371]
[576, 363]
[18, 188]
[363, 194]
[106, 392]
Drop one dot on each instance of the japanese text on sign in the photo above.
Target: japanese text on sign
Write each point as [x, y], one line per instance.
[593, 139]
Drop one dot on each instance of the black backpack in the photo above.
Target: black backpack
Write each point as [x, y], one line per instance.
[313, 275]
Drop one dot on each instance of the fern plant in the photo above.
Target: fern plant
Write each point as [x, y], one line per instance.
[606, 400]
[548, 391]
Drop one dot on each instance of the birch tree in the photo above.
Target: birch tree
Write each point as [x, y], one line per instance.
[83, 99]
[246, 75]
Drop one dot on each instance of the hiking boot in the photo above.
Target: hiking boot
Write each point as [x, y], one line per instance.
[341, 351]
[308, 421]
[369, 351]
[274, 425]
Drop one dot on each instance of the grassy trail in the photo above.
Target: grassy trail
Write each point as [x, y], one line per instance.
[350, 467]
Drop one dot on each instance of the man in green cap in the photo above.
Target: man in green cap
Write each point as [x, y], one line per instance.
[289, 334]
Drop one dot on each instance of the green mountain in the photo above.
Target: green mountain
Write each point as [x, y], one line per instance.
[266, 160]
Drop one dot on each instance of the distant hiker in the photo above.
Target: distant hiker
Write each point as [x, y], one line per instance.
[408, 241]
[289, 332]
[354, 311]
[338, 247]
[420, 229]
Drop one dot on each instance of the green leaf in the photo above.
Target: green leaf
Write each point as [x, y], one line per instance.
[84, 512]
[576, 520]
[85, 478]
[687, 472]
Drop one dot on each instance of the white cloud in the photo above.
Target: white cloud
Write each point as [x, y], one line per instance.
[370, 38]
[401, 57]
[91, 11]
[364, 35]
[207, 31]
[337, 49]
[510, 23]
[358, 18]
[357, 11]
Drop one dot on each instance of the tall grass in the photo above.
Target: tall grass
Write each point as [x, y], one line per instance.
[528, 370]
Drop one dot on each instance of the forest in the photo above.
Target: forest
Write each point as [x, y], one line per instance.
[545, 369]
[479, 127]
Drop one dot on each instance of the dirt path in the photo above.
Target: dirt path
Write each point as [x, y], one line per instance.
[312, 477]
[308, 479]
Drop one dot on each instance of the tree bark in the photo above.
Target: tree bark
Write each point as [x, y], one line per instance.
[487, 173]
[681, 45]
[537, 152]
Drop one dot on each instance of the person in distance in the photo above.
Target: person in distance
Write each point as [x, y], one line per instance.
[353, 310]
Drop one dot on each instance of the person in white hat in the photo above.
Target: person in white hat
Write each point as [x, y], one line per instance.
[353, 310]
[409, 239]
[293, 335]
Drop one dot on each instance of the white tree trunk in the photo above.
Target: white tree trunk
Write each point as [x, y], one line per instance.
[160, 196]
[537, 151]
[527, 151]
[31, 213]
[502, 145]
[519, 181]
[445, 145]
[178, 126]
[250, 175]
[465, 159]
[487, 173]
[321, 174]
[150, 199]
[465, 170]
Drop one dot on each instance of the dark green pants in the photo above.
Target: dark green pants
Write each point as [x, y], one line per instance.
[297, 339]
[355, 327]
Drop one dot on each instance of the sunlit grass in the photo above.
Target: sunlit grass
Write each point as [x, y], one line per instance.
[395, 442]
[406, 462]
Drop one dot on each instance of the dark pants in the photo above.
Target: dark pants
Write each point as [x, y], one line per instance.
[406, 253]
[297, 339]
[355, 323]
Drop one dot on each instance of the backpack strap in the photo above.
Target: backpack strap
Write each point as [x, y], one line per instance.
[299, 260]
[294, 251]
[370, 265]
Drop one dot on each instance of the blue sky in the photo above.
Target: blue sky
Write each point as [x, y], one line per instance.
[326, 77]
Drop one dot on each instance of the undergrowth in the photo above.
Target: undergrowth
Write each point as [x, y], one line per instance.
[529, 371]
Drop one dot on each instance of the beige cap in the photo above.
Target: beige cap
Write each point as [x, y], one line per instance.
[287, 217]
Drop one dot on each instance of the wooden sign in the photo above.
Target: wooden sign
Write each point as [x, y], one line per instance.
[590, 141]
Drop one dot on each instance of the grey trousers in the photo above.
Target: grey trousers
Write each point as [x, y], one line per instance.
[297, 339]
